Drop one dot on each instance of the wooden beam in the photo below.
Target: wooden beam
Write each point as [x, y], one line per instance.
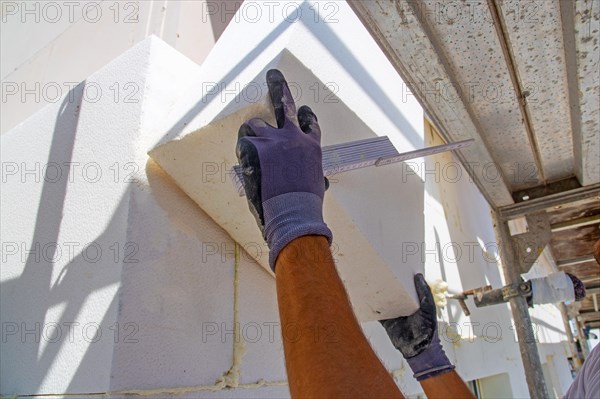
[534, 205]
[575, 261]
[575, 223]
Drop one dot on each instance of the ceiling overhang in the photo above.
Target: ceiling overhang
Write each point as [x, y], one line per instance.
[522, 79]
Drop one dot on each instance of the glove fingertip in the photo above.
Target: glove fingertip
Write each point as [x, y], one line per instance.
[422, 288]
[245, 130]
[281, 98]
[309, 123]
[419, 280]
[274, 75]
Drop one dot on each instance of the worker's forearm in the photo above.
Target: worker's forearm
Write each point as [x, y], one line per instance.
[447, 385]
[320, 330]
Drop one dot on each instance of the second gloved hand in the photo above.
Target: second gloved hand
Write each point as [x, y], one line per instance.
[416, 336]
[283, 172]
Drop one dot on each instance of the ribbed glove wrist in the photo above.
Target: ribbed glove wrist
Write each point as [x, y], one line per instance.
[431, 362]
[292, 215]
[416, 336]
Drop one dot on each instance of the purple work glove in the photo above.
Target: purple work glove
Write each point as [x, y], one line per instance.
[283, 172]
[416, 336]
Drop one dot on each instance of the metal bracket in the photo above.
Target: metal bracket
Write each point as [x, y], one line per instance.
[510, 291]
[529, 246]
[514, 290]
[461, 300]
[486, 296]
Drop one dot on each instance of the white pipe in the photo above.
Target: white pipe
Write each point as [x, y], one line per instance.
[556, 287]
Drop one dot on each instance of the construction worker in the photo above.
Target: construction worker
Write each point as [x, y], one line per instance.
[326, 353]
[587, 383]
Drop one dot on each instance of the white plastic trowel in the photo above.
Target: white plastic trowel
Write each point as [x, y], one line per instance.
[371, 210]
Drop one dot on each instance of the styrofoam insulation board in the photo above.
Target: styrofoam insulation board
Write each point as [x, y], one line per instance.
[334, 66]
[371, 212]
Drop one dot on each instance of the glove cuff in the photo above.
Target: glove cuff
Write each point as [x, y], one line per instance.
[431, 362]
[292, 215]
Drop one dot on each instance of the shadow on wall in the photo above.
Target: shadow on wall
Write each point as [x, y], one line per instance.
[473, 269]
[366, 80]
[487, 332]
[463, 234]
[28, 298]
[452, 316]
[328, 38]
[230, 76]
[180, 285]
[221, 15]
[164, 340]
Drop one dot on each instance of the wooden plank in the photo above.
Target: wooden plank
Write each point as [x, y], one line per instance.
[574, 210]
[588, 272]
[574, 243]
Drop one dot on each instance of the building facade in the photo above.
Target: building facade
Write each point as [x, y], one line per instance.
[115, 281]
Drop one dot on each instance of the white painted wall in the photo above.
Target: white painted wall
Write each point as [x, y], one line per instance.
[460, 248]
[165, 306]
[43, 54]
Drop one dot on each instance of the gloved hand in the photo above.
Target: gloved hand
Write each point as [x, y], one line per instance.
[283, 172]
[416, 336]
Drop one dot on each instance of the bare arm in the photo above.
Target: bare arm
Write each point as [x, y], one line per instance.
[447, 385]
[326, 352]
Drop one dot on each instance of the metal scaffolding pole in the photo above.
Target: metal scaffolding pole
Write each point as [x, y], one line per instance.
[583, 343]
[570, 338]
[526, 337]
